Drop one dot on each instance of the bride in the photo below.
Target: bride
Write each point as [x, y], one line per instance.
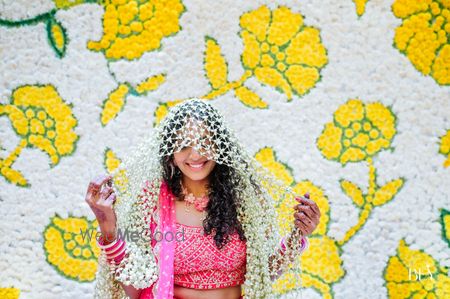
[192, 176]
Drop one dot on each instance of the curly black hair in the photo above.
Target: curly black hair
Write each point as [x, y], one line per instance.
[223, 200]
[224, 182]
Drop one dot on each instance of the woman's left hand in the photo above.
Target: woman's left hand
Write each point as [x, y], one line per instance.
[307, 215]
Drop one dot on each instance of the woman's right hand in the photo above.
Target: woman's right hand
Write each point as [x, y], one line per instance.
[100, 197]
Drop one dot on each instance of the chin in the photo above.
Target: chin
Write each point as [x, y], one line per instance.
[196, 177]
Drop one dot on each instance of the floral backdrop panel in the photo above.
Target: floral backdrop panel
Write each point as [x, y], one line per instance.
[347, 100]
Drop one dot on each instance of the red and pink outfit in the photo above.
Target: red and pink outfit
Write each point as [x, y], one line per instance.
[194, 262]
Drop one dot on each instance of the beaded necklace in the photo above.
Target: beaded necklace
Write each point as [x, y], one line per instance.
[199, 203]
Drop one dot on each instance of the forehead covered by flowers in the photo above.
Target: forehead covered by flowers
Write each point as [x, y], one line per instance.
[195, 123]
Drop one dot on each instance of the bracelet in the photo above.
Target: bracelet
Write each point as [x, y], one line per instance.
[101, 243]
[117, 256]
[283, 244]
[304, 244]
[114, 251]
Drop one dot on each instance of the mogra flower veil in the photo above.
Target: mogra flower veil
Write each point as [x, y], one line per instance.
[137, 182]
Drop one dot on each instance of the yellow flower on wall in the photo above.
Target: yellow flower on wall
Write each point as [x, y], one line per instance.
[445, 224]
[56, 33]
[424, 36]
[57, 37]
[360, 6]
[415, 274]
[162, 110]
[9, 293]
[65, 4]
[111, 162]
[358, 132]
[280, 51]
[445, 148]
[70, 247]
[131, 28]
[41, 118]
[116, 100]
[321, 263]
[114, 104]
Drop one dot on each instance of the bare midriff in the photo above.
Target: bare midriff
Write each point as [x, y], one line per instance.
[222, 293]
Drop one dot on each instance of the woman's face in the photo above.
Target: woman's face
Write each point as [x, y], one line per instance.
[193, 165]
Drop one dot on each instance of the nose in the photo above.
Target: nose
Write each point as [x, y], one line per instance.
[195, 155]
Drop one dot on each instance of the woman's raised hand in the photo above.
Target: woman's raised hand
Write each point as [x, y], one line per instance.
[307, 215]
[100, 197]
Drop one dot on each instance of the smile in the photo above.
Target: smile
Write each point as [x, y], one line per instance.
[197, 166]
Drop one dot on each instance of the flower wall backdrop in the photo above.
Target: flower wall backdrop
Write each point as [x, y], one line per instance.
[347, 100]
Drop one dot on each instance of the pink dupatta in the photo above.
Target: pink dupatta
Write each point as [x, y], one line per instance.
[167, 249]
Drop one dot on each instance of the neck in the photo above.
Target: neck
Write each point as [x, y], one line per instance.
[198, 188]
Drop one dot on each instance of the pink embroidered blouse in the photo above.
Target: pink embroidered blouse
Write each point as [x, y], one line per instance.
[200, 264]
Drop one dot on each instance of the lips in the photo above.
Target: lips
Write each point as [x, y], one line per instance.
[196, 166]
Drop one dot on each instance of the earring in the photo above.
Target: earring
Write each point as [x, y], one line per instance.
[172, 170]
